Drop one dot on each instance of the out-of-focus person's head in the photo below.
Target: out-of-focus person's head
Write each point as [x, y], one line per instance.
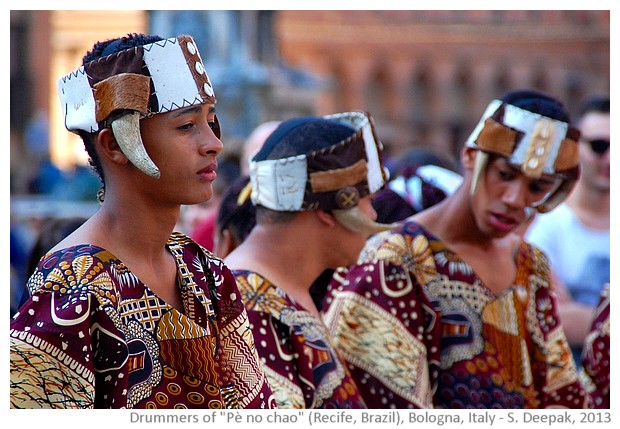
[254, 142]
[594, 152]
[420, 189]
[533, 133]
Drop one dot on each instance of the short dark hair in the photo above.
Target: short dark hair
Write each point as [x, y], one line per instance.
[538, 102]
[299, 136]
[266, 216]
[238, 217]
[111, 46]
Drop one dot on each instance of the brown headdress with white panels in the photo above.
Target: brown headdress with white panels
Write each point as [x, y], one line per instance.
[532, 142]
[119, 89]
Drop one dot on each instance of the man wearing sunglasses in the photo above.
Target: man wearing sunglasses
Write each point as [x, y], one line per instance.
[575, 235]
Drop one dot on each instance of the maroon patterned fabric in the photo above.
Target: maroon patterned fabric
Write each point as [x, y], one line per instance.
[92, 335]
[596, 354]
[303, 368]
[420, 330]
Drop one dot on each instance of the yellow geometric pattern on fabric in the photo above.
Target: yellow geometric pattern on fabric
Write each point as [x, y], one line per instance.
[505, 316]
[248, 375]
[54, 380]
[260, 295]
[413, 253]
[560, 361]
[306, 332]
[148, 309]
[374, 340]
[183, 345]
[288, 394]
[81, 275]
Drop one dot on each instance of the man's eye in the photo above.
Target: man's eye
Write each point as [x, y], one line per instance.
[186, 126]
[541, 188]
[505, 175]
[535, 188]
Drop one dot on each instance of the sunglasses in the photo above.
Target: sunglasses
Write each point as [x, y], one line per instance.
[598, 146]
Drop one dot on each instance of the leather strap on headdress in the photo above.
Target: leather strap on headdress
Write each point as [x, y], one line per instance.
[140, 81]
[332, 178]
[536, 144]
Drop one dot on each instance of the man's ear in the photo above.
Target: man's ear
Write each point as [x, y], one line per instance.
[109, 148]
[468, 157]
[326, 217]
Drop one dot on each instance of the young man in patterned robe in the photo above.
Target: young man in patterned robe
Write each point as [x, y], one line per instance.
[453, 309]
[124, 312]
[311, 182]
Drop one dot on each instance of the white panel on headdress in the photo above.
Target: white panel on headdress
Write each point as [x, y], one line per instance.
[525, 122]
[375, 172]
[359, 120]
[279, 184]
[409, 189]
[171, 76]
[446, 180]
[77, 101]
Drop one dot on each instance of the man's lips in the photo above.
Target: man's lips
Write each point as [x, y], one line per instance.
[209, 172]
[502, 221]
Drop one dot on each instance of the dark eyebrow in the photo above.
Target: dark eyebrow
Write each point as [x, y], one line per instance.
[545, 181]
[502, 161]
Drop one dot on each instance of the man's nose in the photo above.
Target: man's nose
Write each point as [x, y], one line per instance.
[516, 194]
[210, 143]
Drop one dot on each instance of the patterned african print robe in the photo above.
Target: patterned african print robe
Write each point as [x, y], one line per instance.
[596, 358]
[419, 329]
[92, 335]
[303, 369]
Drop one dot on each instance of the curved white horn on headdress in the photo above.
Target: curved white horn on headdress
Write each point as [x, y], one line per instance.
[482, 158]
[127, 133]
[355, 220]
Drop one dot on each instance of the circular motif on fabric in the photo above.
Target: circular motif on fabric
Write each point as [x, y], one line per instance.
[482, 365]
[347, 198]
[211, 390]
[191, 381]
[169, 372]
[195, 398]
[215, 404]
[174, 388]
[161, 398]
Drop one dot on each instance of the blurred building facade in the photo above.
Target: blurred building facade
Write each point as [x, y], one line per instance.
[426, 76]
